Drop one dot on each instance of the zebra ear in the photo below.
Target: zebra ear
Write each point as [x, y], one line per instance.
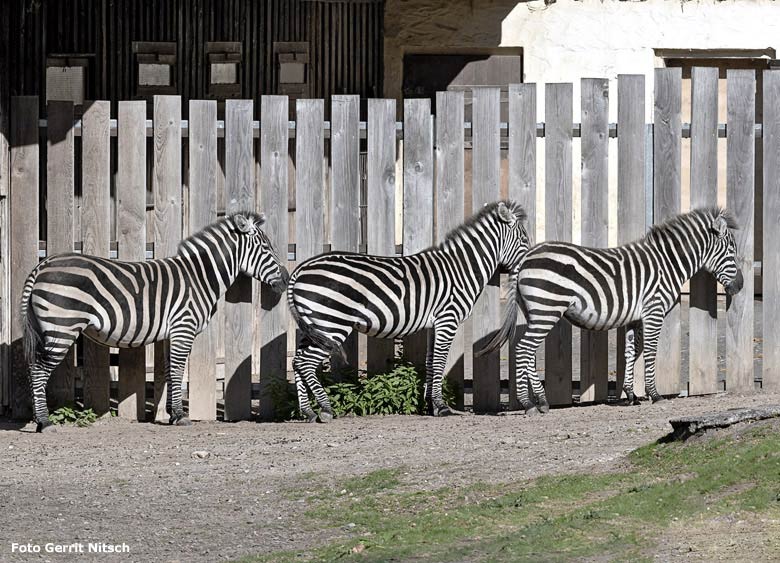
[720, 226]
[505, 214]
[243, 224]
[260, 220]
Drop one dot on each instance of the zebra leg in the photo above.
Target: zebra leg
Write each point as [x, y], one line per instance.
[443, 332]
[307, 360]
[652, 329]
[633, 334]
[428, 395]
[54, 351]
[180, 347]
[525, 352]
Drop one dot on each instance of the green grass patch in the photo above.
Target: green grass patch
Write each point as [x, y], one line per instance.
[617, 516]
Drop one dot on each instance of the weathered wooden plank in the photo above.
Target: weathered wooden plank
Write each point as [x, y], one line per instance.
[666, 203]
[558, 226]
[522, 182]
[631, 191]
[740, 181]
[486, 172]
[202, 212]
[771, 221]
[449, 198]
[59, 226]
[131, 241]
[166, 183]
[239, 196]
[24, 199]
[418, 198]
[5, 265]
[274, 173]
[345, 189]
[380, 200]
[96, 235]
[704, 192]
[309, 189]
[595, 204]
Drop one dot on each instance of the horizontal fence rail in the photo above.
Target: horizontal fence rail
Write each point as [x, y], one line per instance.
[129, 187]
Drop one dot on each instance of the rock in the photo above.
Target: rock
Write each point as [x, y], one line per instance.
[687, 426]
[201, 454]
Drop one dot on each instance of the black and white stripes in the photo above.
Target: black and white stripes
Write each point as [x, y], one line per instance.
[130, 304]
[333, 294]
[633, 286]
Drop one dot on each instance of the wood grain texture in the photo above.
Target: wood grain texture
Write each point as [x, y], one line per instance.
[24, 182]
[202, 208]
[740, 182]
[60, 227]
[380, 221]
[704, 192]
[522, 184]
[309, 187]
[631, 192]
[239, 196]
[595, 222]
[486, 170]
[345, 190]
[131, 241]
[666, 203]
[96, 236]
[449, 200]
[418, 198]
[166, 183]
[6, 307]
[558, 226]
[273, 197]
[771, 234]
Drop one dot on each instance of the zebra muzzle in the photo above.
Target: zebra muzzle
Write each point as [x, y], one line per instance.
[736, 284]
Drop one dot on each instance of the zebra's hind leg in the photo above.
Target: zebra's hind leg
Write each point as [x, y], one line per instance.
[40, 371]
[307, 360]
[181, 345]
[525, 353]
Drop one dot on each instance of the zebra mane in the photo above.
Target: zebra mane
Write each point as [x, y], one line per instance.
[487, 210]
[709, 213]
[257, 218]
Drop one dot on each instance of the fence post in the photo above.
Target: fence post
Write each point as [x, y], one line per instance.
[667, 132]
[771, 215]
[740, 177]
[131, 241]
[704, 192]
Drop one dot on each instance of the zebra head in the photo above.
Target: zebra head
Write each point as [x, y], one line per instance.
[515, 241]
[257, 257]
[721, 258]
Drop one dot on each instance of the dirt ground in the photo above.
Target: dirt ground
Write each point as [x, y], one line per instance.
[144, 485]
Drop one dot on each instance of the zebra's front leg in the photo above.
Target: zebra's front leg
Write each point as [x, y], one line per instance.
[428, 392]
[180, 347]
[307, 360]
[633, 344]
[652, 329]
[443, 333]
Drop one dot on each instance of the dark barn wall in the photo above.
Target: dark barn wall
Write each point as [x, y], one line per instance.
[345, 42]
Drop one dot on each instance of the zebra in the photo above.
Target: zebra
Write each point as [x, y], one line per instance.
[131, 304]
[332, 294]
[632, 286]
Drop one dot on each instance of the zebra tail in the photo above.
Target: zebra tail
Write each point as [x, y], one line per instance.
[318, 338]
[32, 337]
[509, 326]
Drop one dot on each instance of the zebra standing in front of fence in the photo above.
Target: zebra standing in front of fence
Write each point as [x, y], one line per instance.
[335, 293]
[131, 304]
[634, 285]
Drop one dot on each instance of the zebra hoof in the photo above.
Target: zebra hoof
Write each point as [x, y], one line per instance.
[325, 416]
[183, 421]
[543, 406]
[310, 416]
[442, 411]
[531, 411]
[656, 398]
[45, 427]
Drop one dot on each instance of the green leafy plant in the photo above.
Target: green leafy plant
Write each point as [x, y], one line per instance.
[72, 415]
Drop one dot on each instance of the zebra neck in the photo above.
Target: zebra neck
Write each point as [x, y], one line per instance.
[682, 255]
[477, 257]
[215, 270]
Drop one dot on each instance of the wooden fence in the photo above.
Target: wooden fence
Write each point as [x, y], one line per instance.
[129, 187]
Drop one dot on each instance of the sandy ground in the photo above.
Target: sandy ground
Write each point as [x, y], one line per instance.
[143, 485]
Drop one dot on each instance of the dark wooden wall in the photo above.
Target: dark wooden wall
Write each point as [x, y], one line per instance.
[345, 41]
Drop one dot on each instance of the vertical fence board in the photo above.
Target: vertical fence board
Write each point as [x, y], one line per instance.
[449, 199]
[167, 214]
[381, 203]
[595, 203]
[60, 225]
[345, 189]
[239, 196]
[667, 133]
[25, 176]
[274, 176]
[770, 377]
[202, 212]
[418, 197]
[631, 191]
[522, 181]
[309, 193]
[558, 226]
[485, 189]
[741, 145]
[131, 241]
[96, 234]
[704, 192]
[5, 266]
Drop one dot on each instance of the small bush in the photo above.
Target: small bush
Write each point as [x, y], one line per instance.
[72, 415]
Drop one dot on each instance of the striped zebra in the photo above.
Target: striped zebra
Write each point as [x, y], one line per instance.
[335, 293]
[632, 286]
[131, 304]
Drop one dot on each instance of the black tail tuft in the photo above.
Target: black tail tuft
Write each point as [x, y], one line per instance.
[509, 326]
[32, 338]
[317, 338]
